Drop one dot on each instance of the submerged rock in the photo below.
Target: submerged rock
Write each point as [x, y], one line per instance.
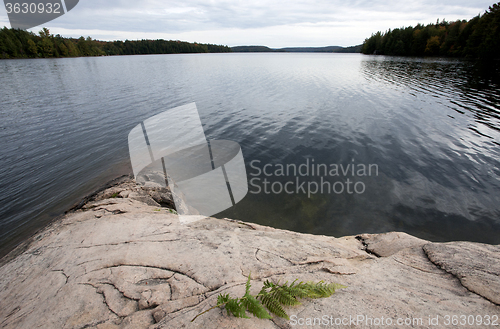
[117, 262]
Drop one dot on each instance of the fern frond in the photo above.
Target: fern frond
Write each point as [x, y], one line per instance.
[247, 285]
[338, 285]
[323, 290]
[315, 290]
[274, 306]
[263, 291]
[236, 308]
[273, 296]
[269, 284]
[280, 293]
[284, 297]
[299, 290]
[255, 307]
[222, 299]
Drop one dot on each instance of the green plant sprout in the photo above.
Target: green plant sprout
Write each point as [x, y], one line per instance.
[273, 296]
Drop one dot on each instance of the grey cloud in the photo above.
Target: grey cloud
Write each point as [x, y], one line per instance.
[273, 23]
[201, 15]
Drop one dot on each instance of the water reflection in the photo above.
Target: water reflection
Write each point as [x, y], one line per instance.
[431, 126]
[469, 86]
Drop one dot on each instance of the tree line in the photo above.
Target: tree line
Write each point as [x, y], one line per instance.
[476, 38]
[16, 43]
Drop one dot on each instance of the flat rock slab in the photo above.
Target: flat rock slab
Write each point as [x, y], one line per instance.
[119, 263]
[387, 244]
[476, 265]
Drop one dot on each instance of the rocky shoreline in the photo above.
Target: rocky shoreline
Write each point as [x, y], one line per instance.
[122, 258]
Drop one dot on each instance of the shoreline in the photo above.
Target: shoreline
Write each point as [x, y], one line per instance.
[25, 243]
[120, 260]
[54, 210]
[15, 249]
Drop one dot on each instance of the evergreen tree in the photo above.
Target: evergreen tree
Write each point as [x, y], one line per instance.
[476, 38]
[16, 43]
[32, 48]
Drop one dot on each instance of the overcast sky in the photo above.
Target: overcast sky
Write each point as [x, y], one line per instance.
[252, 22]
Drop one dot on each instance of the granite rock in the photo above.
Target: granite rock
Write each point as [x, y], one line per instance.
[119, 263]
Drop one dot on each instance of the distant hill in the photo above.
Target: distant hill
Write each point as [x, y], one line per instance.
[252, 49]
[328, 49]
[351, 49]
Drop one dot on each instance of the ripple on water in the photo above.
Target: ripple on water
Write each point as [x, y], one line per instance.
[431, 125]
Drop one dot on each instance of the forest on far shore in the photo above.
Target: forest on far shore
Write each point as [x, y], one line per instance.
[16, 43]
[477, 38]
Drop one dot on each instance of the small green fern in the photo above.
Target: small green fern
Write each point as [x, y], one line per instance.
[273, 296]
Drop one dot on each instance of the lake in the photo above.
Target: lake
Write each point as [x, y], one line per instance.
[428, 127]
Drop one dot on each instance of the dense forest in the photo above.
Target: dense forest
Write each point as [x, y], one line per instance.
[476, 38]
[15, 43]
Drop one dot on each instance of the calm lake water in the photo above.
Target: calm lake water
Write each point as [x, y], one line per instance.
[431, 127]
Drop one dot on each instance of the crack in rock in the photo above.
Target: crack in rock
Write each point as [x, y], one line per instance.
[464, 262]
[103, 298]
[365, 246]
[116, 301]
[272, 258]
[93, 324]
[62, 272]
[152, 266]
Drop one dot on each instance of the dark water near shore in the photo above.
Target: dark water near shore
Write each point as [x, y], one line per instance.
[431, 126]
